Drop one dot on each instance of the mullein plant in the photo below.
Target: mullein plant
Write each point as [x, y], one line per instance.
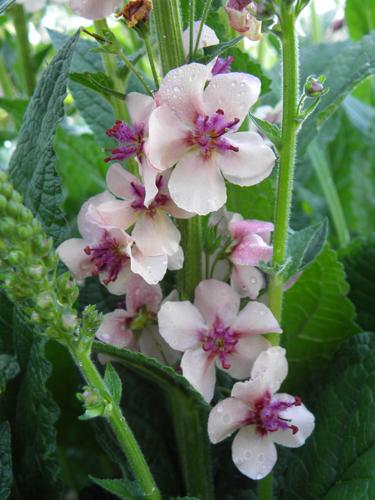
[175, 150]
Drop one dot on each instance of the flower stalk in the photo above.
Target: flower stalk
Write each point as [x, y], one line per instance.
[24, 48]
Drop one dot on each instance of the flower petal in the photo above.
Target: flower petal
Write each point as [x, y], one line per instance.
[271, 368]
[254, 455]
[214, 298]
[182, 90]
[139, 107]
[113, 329]
[256, 318]
[152, 269]
[120, 284]
[176, 261]
[250, 251]
[299, 416]
[119, 181]
[167, 140]
[199, 370]
[208, 37]
[71, 253]
[155, 234]
[252, 163]
[234, 93]
[196, 185]
[180, 324]
[112, 214]
[242, 359]
[149, 174]
[247, 281]
[91, 231]
[226, 417]
[94, 9]
[240, 228]
[139, 293]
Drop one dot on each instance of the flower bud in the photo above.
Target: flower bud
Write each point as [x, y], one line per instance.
[15, 258]
[37, 272]
[136, 12]
[242, 20]
[6, 189]
[314, 86]
[3, 203]
[69, 321]
[44, 300]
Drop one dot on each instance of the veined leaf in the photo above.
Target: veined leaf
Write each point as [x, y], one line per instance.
[9, 368]
[122, 488]
[113, 382]
[32, 166]
[338, 460]
[270, 130]
[317, 315]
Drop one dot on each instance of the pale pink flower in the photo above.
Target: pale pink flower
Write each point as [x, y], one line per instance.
[263, 417]
[208, 37]
[241, 18]
[134, 327]
[154, 231]
[132, 140]
[195, 127]
[94, 9]
[106, 250]
[214, 332]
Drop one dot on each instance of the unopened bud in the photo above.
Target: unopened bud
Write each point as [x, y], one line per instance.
[44, 301]
[70, 321]
[242, 19]
[35, 318]
[314, 86]
[3, 202]
[6, 189]
[37, 272]
[15, 258]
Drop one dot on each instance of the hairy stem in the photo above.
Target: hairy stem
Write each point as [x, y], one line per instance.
[191, 28]
[24, 48]
[151, 59]
[323, 172]
[287, 157]
[206, 10]
[119, 426]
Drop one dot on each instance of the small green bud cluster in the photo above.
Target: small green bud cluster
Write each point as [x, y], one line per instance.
[28, 272]
[95, 404]
[314, 86]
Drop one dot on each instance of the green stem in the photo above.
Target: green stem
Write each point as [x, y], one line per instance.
[265, 487]
[316, 27]
[151, 59]
[5, 81]
[169, 32]
[191, 28]
[205, 12]
[24, 48]
[323, 172]
[262, 50]
[132, 68]
[110, 66]
[119, 426]
[191, 241]
[287, 157]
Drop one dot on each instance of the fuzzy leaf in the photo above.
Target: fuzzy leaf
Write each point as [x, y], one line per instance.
[359, 17]
[338, 460]
[122, 488]
[6, 475]
[32, 166]
[317, 315]
[218, 50]
[113, 382]
[304, 246]
[270, 130]
[99, 82]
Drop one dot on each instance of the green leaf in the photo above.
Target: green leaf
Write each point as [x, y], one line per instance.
[94, 108]
[35, 416]
[217, 50]
[359, 17]
[351, 64]
[317, 315]
[338, 460]
[304, 246]
[4, 4]
[189, 413]
[6, 475]
[122, 488]
[113, 382]
[255, 202]
[270, 130]
[32, 166]
[359, 262]
[99, 82]
[9, 368]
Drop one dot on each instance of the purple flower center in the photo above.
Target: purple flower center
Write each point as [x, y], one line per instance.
[139, 196]
[209, 132]
[220, 340]
[266, 414]
[130, 139]
[238, 4]
[107, 257]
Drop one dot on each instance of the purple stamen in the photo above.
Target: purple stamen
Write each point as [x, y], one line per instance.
[220, 341]
[107, 257]
[139, 196]
[266, 414]
[130, 139]
[209, 131]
